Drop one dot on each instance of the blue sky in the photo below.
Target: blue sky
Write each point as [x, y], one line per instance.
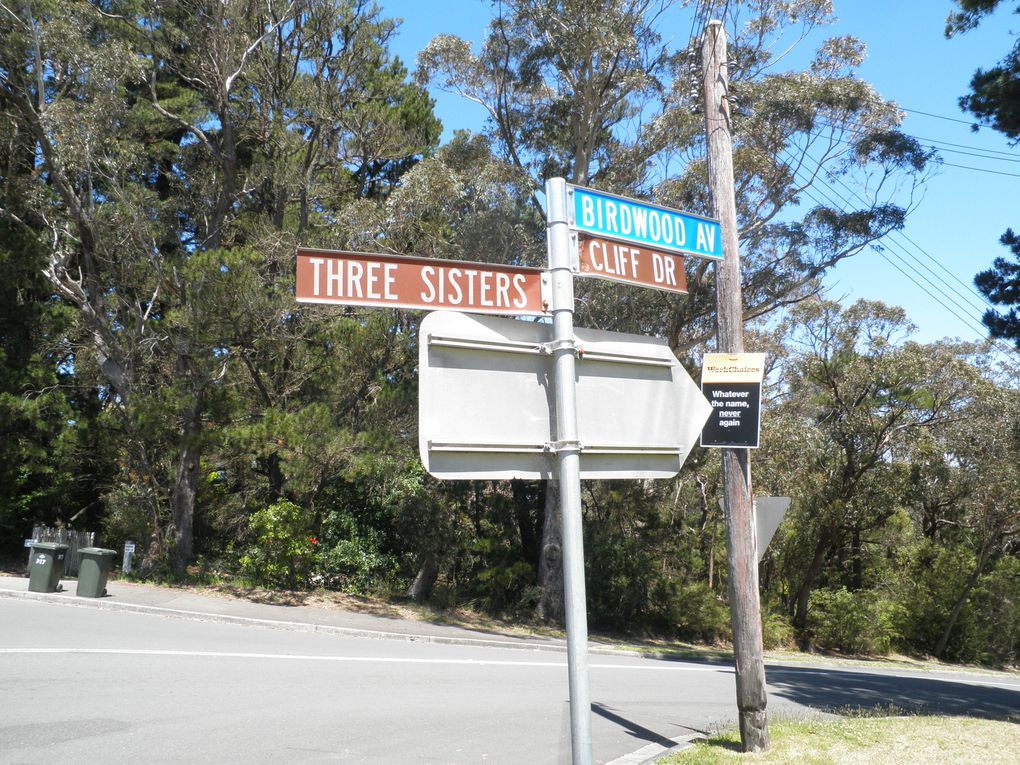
[928, 269]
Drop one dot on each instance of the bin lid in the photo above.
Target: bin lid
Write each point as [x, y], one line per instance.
[50, 546]
[96, 551]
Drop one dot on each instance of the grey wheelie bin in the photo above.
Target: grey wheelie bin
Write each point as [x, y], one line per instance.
[47, 566]
[95, 567]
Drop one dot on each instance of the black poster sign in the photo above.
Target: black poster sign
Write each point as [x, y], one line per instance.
[732, 385]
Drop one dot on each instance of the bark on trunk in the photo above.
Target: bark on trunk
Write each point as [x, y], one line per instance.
[526, 525]
[185, 490]
[425, 581]
[954, 615]
[804, 593]
[550, 565]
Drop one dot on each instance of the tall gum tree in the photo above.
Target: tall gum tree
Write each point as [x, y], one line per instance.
[588, 90]
[857, 397]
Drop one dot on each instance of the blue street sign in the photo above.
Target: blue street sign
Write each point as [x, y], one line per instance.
[656, 228]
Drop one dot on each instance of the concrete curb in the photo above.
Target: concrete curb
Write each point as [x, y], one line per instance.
[107, 604]
[653, 753]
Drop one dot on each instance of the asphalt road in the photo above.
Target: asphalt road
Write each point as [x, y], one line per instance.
[89, 685]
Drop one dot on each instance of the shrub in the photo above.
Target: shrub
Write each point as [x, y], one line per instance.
[284, 551]
[852, 622]
[776, 630]
[354, 565]
[691, 611]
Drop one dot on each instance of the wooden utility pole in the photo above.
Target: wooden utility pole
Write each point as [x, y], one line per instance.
[741, 553]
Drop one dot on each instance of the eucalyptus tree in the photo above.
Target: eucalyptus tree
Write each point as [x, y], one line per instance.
[859, 397]
[969, 489]
[592, 90]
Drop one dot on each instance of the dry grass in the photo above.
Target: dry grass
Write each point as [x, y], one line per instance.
[869, 741]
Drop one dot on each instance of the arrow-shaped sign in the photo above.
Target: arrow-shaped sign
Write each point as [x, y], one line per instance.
[486, 401]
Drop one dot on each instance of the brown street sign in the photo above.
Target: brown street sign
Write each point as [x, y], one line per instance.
[394, 281]
[607, 259]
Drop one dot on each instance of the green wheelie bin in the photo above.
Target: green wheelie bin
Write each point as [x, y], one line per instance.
[47, 566]
[95, 567]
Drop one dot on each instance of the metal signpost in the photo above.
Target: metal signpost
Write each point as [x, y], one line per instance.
[502, 398]
[568, 457]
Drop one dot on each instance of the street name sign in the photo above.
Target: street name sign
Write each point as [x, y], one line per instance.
[628, 263]
[486, 401]
[642, 224]
[395, 281]
[732, 384]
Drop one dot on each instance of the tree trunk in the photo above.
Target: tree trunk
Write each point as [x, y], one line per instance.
[954, 615]
[550, 565]
[807, 585]
[186, 489]
[526, 525]
[856, 562]
[425, 581]
[275, 475]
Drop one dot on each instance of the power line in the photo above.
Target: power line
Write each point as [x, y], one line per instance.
[975, 154]
[842, 203]
[970, 292]
[972, 123]
[963, 146]
[982, 170]
[968, 297]
[926, 142]
[965, 319]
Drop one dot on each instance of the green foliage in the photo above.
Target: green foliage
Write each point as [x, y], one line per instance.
[504, 580]
[859, 622]
[620, 576]
[994, 638]
[690, 611]
[351, 560]
[283, 551]
[1001, 285]
[776, 630]
[932, 578]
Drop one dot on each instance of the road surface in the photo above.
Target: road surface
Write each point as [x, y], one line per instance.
[89, 685]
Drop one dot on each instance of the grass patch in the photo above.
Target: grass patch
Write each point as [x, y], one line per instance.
[868, 741]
